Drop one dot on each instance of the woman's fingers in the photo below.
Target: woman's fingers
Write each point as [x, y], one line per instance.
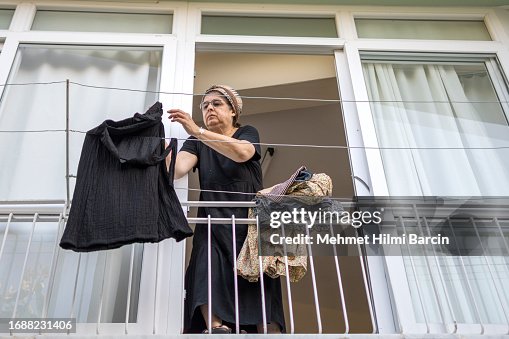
[183, 118]
[177, 111]
[179, 115]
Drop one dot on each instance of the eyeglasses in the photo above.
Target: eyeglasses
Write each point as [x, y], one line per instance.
[216, 103]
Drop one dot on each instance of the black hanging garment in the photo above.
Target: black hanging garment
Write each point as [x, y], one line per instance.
[124, 194]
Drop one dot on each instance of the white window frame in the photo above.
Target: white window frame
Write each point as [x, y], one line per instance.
[313, 45]
[154, 313]
[177, 74]
[351, 85]
[394, 266]
[271, 44]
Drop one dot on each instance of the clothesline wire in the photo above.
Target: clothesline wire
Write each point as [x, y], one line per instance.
[410, 198]
[346, 147]
[291, 145]
[294, 145]
[445, 199]
[338, 199]
[34, 83]
[36, 131]
[255, 97]
[261, 144]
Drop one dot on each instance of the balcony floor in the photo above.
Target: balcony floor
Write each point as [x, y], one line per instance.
[269, 336]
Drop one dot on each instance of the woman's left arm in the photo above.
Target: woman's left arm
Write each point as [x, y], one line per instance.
[234, 149]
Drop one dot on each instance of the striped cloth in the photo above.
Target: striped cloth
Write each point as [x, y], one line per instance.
[278, 191]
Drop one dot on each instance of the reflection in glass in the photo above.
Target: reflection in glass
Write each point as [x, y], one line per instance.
[5, 18]
[102, 22]
[422, 29]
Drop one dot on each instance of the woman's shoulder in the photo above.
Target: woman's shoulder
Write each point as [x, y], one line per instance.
[247, 129]
[191, 145]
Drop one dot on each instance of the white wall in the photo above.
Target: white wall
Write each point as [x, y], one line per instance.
[504, 15]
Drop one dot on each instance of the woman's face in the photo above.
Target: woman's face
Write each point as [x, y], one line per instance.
[216, 111]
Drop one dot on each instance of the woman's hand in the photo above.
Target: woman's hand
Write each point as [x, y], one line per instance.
[234, 149]
[185, 119]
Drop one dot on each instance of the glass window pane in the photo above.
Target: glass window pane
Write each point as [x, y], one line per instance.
[37, 159]
[444, 132]
[435, 121]
[47, 283]
[5, 18]
[90, 282]
[34, 281]
[422, 29]
[102, 22]
[269, 26]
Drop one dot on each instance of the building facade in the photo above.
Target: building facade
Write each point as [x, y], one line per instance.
[407, 100]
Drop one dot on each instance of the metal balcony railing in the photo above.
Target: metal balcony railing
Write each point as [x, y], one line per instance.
[34, 214]
[28, 291]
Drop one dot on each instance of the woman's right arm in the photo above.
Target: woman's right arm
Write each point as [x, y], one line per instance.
[183, 164]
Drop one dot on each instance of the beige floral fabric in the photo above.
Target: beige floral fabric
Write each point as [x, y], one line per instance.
[248, 266]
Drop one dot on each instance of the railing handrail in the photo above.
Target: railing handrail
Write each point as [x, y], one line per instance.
[487, 209]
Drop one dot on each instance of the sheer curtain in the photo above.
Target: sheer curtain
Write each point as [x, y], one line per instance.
[33, 164]
[427, 107]
[36, 161]
[432, 119]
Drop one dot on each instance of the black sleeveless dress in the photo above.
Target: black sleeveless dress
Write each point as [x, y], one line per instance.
[219, 173]
[124, 193]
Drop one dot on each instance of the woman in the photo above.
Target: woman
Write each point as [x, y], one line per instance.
[227, 157]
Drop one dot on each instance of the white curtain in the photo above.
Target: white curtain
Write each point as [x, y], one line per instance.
[435, 107]
[34, 163]
[33, 166]
[421, 108]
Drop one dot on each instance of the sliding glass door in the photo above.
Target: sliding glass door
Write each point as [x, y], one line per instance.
[105, 83]
[442, 129]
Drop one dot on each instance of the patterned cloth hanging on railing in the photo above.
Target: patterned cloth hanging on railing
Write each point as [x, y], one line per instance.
[318, 185]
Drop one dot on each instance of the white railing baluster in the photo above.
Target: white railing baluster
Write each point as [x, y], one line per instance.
[467, 280]
[235, 278]
[154, 327]
[262, 284]
[172, 247]
[444, 287]
[73, 304]
[340, 283]
[428, 267]
[288, 287]
[129, 289]
[502, 236]
[101, 295]
[313, 280]
[6, 232]
[209, 272]
[414, 272]
[492, 275]
[53, 268]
